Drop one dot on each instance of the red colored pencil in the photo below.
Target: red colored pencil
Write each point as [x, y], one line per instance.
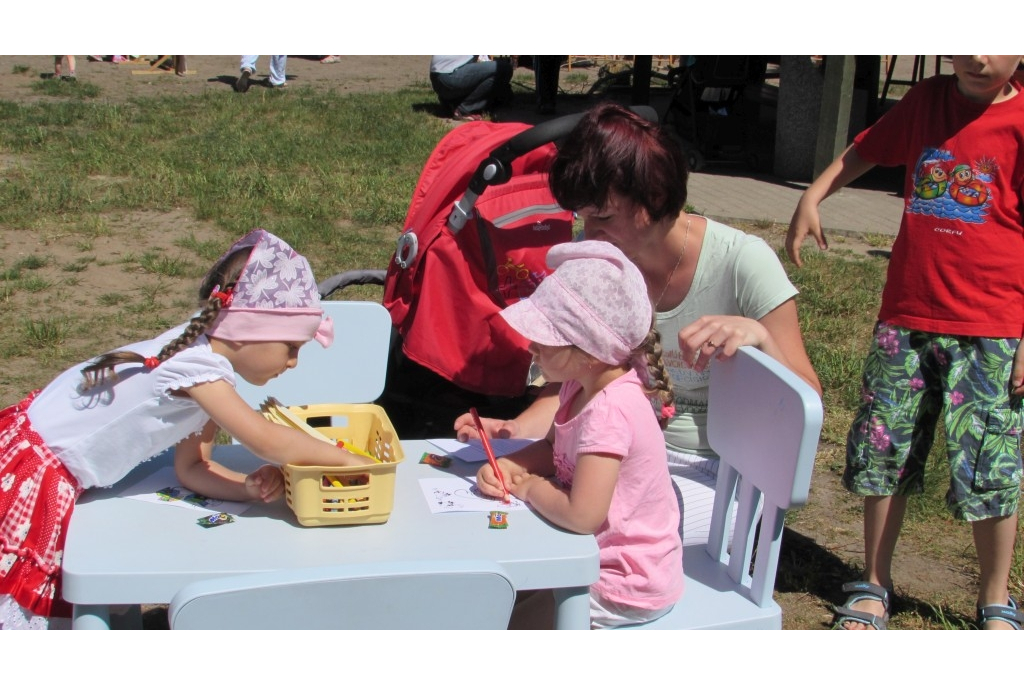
[490, 453]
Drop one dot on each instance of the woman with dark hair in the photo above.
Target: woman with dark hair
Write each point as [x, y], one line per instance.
[713, 288]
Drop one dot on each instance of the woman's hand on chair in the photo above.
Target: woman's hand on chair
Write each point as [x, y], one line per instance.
[718, 336]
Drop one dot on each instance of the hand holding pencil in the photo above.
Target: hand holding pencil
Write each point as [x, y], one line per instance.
[490, 455]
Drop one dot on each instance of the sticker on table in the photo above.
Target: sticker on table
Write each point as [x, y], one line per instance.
[162, 487]
[498, 519]
[436, 460]
[456, 494]
[214, 520]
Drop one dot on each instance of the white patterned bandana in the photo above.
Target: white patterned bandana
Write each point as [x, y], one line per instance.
[274, 299]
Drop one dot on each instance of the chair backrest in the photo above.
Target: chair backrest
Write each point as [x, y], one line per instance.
[386, 596]
[763, 422]
[351, 371]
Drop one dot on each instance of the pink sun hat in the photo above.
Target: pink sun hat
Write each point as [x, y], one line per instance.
[596, 299]
[275, 297]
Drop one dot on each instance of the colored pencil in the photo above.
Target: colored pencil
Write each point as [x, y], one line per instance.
[490, 453]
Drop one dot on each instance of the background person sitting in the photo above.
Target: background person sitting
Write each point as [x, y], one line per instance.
[470, 84]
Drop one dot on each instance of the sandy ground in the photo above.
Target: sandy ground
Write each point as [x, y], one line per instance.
[120, 82]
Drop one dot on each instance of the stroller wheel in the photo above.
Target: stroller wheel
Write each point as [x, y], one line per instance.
[695, 160]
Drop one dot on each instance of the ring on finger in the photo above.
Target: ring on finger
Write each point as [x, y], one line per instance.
[710, 343]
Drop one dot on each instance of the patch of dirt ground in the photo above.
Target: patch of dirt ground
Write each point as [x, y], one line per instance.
[206, 73]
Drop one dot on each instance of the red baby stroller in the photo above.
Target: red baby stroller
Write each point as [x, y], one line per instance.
[476, 236]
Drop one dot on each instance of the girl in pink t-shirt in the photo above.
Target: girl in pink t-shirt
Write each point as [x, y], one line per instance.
[602, 468]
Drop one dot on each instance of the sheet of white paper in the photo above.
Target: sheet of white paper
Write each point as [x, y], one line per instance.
[162, 487]
[453, 494]
[474, 450]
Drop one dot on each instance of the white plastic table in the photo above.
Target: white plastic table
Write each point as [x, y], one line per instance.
[122, 551]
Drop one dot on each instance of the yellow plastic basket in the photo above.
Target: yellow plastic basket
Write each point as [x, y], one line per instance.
[346, 495]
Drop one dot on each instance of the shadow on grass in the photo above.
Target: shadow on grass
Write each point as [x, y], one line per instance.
[435, 108]
[808, 568]
[933, 616]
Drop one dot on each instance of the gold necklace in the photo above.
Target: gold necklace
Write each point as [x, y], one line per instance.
[668, 281]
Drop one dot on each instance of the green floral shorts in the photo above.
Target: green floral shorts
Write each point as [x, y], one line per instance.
[910, 379]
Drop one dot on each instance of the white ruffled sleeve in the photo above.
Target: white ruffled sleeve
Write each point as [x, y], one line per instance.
[191, 367]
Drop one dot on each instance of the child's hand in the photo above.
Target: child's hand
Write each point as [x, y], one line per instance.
[265, 483]
[465, 428]
[521, 484]
[346, 458]
[489, 484]
[806, 219]
[1017, 371]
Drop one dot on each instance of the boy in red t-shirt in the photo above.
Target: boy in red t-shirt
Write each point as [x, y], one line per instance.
[947, 341]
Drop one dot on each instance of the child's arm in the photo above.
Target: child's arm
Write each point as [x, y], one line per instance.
[196, 471]
[270, 441]
[583, 508]
[536, 458]
[846, 168]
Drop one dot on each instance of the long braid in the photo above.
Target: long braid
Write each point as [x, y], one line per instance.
[196, 327]
[102, 370]
[657, 382]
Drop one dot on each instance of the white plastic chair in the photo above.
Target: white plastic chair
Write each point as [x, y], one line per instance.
[351, 371]
[763, 422]
[460, 595]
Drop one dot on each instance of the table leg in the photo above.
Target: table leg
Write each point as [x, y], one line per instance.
[90, 617]
[572, 608]
[125, 617]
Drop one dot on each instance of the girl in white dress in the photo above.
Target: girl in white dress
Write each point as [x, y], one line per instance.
[99, 419]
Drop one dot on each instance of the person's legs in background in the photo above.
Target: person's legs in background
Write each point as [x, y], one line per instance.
[478, 82]
[248, 63]
[246, 68]
[278, 64]
[886, 455]
[986, 468]
[994, 540]
[57, 67]
[448, 95]
[545, 75]
[477, 79]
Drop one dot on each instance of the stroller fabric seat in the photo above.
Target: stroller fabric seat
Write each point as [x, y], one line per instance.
[445, 304]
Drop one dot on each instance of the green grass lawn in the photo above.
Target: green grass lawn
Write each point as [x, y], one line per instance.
[326, 172]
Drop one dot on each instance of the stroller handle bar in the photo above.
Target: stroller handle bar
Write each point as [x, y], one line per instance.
[497, 168]
[353, 277]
